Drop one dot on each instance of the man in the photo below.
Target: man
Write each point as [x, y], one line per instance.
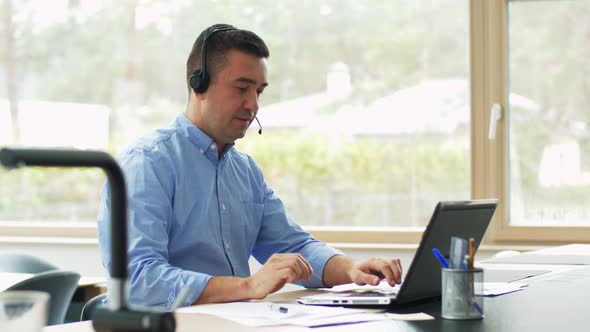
[199, 208]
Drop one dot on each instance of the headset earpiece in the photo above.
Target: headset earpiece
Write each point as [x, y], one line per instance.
[199, 80]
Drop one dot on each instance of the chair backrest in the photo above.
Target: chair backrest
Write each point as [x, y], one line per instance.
[92, 304]
[60, 285]
[20, 263]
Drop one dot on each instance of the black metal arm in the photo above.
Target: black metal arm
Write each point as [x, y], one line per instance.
[119, 317]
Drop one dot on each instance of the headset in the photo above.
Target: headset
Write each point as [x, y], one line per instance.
[199, 80]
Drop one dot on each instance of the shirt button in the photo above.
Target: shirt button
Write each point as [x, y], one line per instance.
[222, 206]
[213, 146]
[201, 151]
[226, 245]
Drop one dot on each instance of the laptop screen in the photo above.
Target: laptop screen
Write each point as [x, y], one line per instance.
[466, 219]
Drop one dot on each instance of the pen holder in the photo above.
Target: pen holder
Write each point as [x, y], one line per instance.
[462, 294]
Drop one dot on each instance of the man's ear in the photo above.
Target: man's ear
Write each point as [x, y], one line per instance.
[197, 96]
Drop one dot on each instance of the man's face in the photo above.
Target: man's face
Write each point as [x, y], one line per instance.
[231, 101]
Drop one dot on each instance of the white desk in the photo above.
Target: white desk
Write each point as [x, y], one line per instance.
[511, 312]
[190, 323]
[572, 254]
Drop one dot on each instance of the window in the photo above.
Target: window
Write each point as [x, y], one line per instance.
[537, 68]
[549, 121]
[366, 121]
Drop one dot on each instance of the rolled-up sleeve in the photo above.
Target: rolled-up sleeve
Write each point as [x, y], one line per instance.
[152, 280]
[278, 233]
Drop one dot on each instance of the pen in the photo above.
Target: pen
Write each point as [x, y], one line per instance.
[278, 308]
[471, 252]
[440, 258]
[477, 307]
[465, 264]
[471, 272]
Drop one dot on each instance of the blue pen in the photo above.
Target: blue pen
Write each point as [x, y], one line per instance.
[477, 307]
[440, 258]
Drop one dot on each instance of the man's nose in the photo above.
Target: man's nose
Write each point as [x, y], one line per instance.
[251, 102]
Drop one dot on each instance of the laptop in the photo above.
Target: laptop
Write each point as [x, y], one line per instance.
[466, 219]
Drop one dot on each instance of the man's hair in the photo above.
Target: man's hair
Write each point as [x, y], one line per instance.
[218, 44]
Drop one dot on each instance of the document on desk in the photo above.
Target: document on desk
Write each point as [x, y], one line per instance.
[410, 317]
[491, 289]
[258, 314]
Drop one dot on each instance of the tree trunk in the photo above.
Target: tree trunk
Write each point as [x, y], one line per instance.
[10, 69]
[133, 64]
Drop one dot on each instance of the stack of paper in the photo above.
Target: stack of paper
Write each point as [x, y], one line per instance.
[261, 314]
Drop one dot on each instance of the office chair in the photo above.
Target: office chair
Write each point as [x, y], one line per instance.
[60, 285]
[20, 263]
[92, 304]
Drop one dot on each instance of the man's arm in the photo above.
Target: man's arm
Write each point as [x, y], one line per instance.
[274, 274]
[153, 281]
[279, 234]
[281, 269]
[225, 289]
[342, 270]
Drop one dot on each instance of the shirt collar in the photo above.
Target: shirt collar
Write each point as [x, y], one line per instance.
[195, 135]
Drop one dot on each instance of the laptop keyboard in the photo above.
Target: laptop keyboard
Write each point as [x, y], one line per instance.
[372, 294]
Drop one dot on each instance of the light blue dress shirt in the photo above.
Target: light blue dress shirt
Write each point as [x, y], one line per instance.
[193, 215]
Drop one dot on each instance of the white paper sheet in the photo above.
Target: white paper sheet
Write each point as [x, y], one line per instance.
[410, 317]
[342, 319]
[261, 314]
[499, 288]
[490, 288]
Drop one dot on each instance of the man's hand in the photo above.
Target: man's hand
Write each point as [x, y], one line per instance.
[373, 270]
[276, 272]
[342, 270]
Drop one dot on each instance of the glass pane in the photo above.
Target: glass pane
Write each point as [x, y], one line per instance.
[366, 119]
[549, 113]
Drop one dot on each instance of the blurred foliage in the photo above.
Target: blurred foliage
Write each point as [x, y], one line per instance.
[369, 164]
[360, 177]
[30, 194]
[87, 57]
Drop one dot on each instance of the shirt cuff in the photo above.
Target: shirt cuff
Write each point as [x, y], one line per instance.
[318, 254]
[196, 282]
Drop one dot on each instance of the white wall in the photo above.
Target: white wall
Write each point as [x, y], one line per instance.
[82, 258]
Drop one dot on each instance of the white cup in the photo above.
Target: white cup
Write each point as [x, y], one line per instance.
[23, 311]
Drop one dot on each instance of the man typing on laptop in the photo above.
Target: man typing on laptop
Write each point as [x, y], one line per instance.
[467, 219]
[199, 208]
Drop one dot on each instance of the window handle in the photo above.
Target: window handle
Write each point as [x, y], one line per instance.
[495, 116]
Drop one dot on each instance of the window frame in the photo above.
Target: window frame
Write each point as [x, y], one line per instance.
[490, 163]
[489, 158]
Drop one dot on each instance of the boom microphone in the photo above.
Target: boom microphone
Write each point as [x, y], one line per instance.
[259, 126]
